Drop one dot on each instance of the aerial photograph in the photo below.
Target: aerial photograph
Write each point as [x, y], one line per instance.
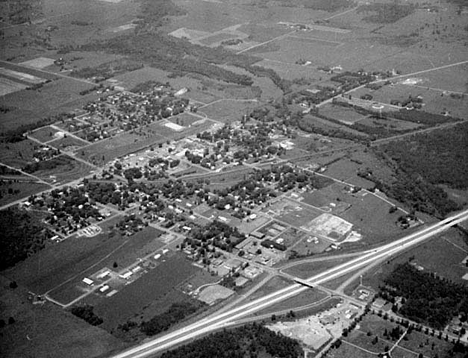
[234, 178]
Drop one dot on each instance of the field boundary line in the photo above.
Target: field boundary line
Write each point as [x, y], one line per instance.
[88, 268]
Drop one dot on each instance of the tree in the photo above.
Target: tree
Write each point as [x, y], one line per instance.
[13, 285]
[11, 320]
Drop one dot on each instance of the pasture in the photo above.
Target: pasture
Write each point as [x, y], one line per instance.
[151, 287]
[67, 262]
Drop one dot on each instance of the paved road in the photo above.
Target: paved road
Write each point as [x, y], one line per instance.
[208, 325]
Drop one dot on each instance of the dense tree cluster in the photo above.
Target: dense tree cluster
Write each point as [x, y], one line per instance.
[218, 234]
[385, 13]
[428, 299]
[250, 341]
[440, 156]
[21, 235]
[86, 312]
[176, 313]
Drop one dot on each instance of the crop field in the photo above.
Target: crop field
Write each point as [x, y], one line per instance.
[152, 286]
[56, 264]
[9, 86]
[228, 111]
[30, 105]
[44, 134]
[344, 114]
[26, 188]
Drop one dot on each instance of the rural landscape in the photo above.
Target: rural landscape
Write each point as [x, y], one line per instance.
[234, 178]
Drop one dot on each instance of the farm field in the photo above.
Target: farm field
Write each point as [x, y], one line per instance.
[152, 286]
[53, 332]
[228, 111]
[77, 256]
[58, 96]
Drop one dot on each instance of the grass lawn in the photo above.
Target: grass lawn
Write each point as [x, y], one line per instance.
[350, 351]
[44, 134]
[308, 269]
[304, 298]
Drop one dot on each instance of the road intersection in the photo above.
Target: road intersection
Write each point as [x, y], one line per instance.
[226, 318]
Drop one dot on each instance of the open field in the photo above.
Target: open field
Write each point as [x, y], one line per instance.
[274, 284]
[68, 143]
[294, 213]
[228, 111]
[411, 346]
[45, 134]
[150, 287]
[127, 143]
[26, 188]
[308, 269]
[47, 330]
[305, 298]
[443, 254]
[76, 256]
[435, 99]
[9, 86]
[18, 154]
[65, 169]
[58, 96]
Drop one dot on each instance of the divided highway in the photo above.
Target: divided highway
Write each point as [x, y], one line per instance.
[212, 323]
